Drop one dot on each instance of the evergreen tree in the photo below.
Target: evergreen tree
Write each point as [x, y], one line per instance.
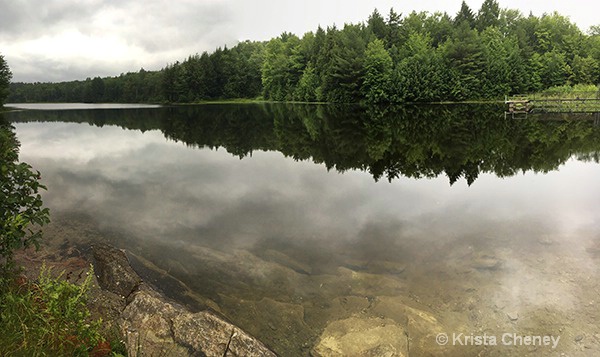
[488, 15]
[554, 69]
[308, 86]
[342, 75]
[464, 54]
[244, 67]
[5, 77]
[465, 14]
[280, 72]
[440, 27]
[422, 75]
[394, 22]
[500, 57]
[378, 70]
[377, 25]
[585, 70]
[97, 90]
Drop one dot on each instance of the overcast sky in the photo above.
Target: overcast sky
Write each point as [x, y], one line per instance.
[57, 40]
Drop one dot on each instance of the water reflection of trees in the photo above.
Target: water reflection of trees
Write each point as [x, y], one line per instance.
[459, 141]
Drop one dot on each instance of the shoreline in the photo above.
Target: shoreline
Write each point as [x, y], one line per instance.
[136, 313]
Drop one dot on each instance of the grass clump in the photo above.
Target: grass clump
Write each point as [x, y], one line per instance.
[578, 91]
[48, 317]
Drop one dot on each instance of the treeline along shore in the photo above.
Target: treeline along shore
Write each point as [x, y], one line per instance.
[390, 58]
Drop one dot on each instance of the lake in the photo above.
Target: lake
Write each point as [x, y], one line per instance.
[322, 228]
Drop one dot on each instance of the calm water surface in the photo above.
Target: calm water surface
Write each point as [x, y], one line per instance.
[72, 106]
[296, 222]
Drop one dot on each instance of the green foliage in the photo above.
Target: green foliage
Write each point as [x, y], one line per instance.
[535, 71]
[500, 57]
[586, 70]
[393, 24]
[413, 23]
[488, 15]
[282, 67]
[48, 317]
[439, 27]
[378, 71]
[579, 91]
[5, 77]
[464, 54]
[422, 76]
[376, 24]
[344, 69]
[554, 71]
[465, 15]
[556, 32]
[308, 86]
[244, 73]
[20, 200]
[95, 90]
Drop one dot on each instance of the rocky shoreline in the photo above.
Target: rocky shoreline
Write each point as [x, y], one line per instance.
[148, 322]
[154, 326]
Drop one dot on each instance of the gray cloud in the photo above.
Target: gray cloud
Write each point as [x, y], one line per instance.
[67, 40]
[53, 70]
[159, 25]
[24, 19]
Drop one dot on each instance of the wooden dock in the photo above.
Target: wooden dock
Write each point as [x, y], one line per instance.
[522, 105]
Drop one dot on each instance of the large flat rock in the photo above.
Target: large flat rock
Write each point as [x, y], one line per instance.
[154, 326]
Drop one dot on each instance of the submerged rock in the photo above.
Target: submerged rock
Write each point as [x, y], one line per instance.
[208, 333]
[159, 328]
[153, 326]
[147, 323]
[512, 315]
[487, 262]
[357, 336]
[113, 271]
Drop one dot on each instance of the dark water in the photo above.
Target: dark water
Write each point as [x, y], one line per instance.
[288, 218]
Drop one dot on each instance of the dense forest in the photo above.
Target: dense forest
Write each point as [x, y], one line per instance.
[393, 58]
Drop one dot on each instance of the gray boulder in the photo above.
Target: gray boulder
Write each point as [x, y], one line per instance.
[154, 326]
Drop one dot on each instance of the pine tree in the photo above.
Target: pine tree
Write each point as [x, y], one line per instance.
[5, 77]
[465, 14]
[378, 69]
[488, 15]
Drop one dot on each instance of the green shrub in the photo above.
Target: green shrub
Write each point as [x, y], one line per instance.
[565, 92]
[48, 317]
[20, 200]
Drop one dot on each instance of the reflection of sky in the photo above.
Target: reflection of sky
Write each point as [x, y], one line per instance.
[72, 106]
[164, 190]
[313, 236]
